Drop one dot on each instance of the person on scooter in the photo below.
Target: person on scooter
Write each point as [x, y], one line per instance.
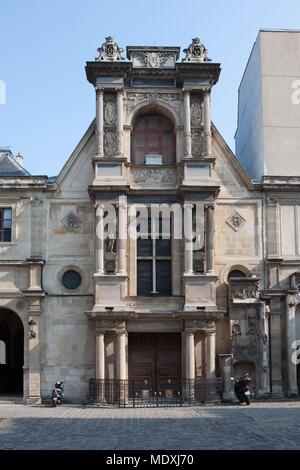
[242, 389]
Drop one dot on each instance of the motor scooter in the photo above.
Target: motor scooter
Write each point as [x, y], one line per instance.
[57, 394]
[242, 389]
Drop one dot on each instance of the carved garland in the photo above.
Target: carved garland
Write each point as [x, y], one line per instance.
[133, 99]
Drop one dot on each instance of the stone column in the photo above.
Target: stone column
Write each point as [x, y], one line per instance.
[122, 241]
[210, 353]
[99, 123]
[273, 235]
[188, 242]
[225, 367]
[263, 384]
[187, 124]
[120, 123]
[190, 355]
[276, 347]
[210, 242]
[122, 366]
[207, 124]
[99, 239]
[122, 355]
[100, 356]
[33, 394]
[100, 366]
[290, 312]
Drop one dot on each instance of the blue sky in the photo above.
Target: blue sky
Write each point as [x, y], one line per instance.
[44, 46]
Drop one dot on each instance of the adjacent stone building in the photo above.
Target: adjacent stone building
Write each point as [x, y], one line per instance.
[79, 302]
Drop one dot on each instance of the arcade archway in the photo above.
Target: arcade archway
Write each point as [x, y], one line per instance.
[11, 353]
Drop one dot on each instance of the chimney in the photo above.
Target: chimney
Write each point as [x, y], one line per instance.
[19, 159]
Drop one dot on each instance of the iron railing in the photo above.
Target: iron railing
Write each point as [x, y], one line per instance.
[141, 393]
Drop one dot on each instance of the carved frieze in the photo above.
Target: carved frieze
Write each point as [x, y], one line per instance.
[110, 143]
[244, 292]
[172, 99]
[110, 112]
[152, 60]
[166, 176]
[203, 324]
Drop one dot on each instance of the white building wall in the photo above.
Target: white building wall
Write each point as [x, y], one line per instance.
[268, 134]
[249, 142]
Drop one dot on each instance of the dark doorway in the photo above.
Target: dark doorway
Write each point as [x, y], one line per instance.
[155, 357]
[11, 353]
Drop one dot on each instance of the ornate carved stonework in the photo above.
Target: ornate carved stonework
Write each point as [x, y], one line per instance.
[236, 221]
[110, 51]
[110, 143]
[196, 52]
[203, 324]
[153, 59]
[196, 114]
[197, 144]
[71, 222]
[244, 352]
[133, 99]
[110, 112]
[244, 292]
[154, 176]
[236, 328]
[36, 202]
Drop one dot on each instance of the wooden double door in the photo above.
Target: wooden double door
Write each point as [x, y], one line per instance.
[154, 358]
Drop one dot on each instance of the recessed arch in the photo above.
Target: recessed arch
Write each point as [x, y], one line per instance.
[226, 270]
[145, 107]
[153, 133]
[12, 335]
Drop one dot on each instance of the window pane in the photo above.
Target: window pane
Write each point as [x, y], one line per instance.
[7, 223]
[7, 235]
[144, 278]
[71, 279]
[7, 214]
[163, 278]
[163, 247]
[144, 247]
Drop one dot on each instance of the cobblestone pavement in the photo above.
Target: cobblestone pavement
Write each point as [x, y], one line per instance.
[259, 426]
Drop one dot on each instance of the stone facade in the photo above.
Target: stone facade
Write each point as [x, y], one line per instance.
[100, 326]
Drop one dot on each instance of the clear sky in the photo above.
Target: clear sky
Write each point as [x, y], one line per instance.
[44, 45]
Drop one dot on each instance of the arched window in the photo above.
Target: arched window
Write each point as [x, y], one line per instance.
[236, 273]
[2, 352]
[153, 134]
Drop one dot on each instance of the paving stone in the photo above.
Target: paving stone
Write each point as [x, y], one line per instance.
[259, 426]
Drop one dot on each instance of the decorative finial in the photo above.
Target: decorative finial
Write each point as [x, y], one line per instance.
[110, 51]
[196, 52]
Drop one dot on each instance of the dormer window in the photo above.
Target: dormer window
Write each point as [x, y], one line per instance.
[153, 141]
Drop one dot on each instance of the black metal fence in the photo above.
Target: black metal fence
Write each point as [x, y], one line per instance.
[137, 393]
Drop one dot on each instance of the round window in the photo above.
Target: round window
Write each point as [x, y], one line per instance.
[71, 279]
